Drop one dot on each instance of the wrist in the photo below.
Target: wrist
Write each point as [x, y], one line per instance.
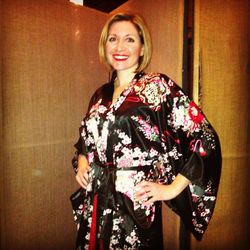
[179, 184]
[175, 190]
[169, 192]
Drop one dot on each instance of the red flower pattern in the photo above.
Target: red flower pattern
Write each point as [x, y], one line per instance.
[195, 113]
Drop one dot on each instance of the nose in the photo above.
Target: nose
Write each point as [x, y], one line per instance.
[120, 45]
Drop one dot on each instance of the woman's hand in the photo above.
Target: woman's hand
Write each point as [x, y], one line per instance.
[82, 176]
[148, 192]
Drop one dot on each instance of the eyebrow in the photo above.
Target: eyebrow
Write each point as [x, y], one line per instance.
[111, 34]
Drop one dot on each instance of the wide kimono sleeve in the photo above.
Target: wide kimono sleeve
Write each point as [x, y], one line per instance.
[198, 144]
[84, 136]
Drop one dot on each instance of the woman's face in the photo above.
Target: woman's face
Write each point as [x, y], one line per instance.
[123, 47]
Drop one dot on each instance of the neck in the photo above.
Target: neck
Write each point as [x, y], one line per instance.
[124, 77]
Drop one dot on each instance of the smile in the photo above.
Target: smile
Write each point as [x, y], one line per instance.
[118, 57]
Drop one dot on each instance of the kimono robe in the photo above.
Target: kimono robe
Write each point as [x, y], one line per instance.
[152, 132]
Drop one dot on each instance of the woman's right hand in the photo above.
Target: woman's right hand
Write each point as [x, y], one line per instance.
[82, 176]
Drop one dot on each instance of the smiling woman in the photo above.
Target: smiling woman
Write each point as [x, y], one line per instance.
[138, 28]
[141, 142]
[123, 47]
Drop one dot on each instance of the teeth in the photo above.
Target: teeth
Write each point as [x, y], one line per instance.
[120, 57]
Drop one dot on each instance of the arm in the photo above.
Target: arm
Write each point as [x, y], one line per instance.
[193, 160]
[151, 191]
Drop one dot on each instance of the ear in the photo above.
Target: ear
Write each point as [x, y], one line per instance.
[142, 51]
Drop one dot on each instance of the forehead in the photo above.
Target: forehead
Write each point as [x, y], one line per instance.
[123, 28]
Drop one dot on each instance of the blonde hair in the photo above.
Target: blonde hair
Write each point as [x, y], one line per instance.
[144, 34]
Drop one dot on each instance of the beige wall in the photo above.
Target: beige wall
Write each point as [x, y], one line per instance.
[1, 128]
[50, 69]
[224, 36]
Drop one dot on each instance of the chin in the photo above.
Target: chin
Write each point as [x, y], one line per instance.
[125, 68]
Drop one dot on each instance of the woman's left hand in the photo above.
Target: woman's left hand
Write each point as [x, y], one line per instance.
[148, 192]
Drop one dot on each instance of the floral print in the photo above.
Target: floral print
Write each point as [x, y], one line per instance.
[186, 115]
[152, 132]
[152, 89]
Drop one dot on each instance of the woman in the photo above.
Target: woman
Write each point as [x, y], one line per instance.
[142, 142]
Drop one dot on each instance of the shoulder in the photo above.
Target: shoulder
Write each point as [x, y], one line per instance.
[102, 91]
[154, 77]
[153, 89]
[157, 87]
[160, 81]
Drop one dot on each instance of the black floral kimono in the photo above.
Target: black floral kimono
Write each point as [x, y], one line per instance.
[152, 132]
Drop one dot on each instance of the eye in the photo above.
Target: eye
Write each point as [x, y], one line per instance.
[130, 40]
[112, 39]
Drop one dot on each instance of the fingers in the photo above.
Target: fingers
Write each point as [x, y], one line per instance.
[149, 202]
[142, 187]
[144, 192]
[82, 176]
[83, 179]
